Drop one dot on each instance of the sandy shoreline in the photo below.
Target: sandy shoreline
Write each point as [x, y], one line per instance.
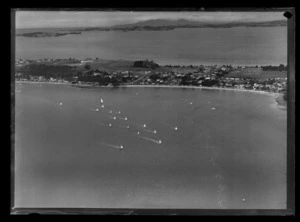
[201, 87]
[154, 86]
[278, 97]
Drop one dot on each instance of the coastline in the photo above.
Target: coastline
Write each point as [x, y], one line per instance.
[278, 97]
[202, 87]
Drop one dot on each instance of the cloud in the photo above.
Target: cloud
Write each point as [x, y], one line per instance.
[52, 19]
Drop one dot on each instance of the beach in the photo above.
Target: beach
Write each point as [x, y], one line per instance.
[278, 97]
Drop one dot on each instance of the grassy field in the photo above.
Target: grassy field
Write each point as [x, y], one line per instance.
[257, 73]
[125, 65]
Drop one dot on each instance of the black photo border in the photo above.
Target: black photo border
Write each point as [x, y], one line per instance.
[289, 211]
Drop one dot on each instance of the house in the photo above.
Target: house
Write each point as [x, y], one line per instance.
[41, 78]
[52, 79]
[86, 61]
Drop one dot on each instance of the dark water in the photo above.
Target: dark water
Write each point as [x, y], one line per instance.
[240, 46]
[215, 159]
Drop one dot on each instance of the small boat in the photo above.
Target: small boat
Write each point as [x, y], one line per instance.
[101, 100]
[60, 103]
[175, 128]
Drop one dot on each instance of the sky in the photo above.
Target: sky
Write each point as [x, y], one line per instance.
[59, 19]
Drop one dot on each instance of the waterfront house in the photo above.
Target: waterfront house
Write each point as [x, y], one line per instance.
[86, 61]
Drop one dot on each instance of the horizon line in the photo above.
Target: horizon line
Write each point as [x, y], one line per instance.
[166, 19]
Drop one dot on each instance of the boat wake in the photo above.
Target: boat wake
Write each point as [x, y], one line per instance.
[150, 131]
[103, 124]
[221, 186]
[152, 140]
[123, 126]
[111, 145]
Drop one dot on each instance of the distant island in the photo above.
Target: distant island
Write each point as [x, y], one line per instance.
[158, 25]
[164, 24]
[47, 34]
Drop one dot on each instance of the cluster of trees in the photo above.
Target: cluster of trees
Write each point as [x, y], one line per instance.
[48, 71]
[103, 77]
[280, 68]
[69, 73]
[101, 80]
[145, 64]
[210, 82]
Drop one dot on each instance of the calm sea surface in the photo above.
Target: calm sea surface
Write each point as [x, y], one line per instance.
[241, 46]
[232, 156]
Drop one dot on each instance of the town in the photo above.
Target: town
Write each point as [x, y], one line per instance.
[89, 72]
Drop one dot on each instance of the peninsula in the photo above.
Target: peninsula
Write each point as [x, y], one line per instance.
[47, 34]
[123, 73]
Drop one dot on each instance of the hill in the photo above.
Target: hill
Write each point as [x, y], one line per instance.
[166, 24]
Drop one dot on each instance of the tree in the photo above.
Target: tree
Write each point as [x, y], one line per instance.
[285, 95]
[281, 67]
[87, 67]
